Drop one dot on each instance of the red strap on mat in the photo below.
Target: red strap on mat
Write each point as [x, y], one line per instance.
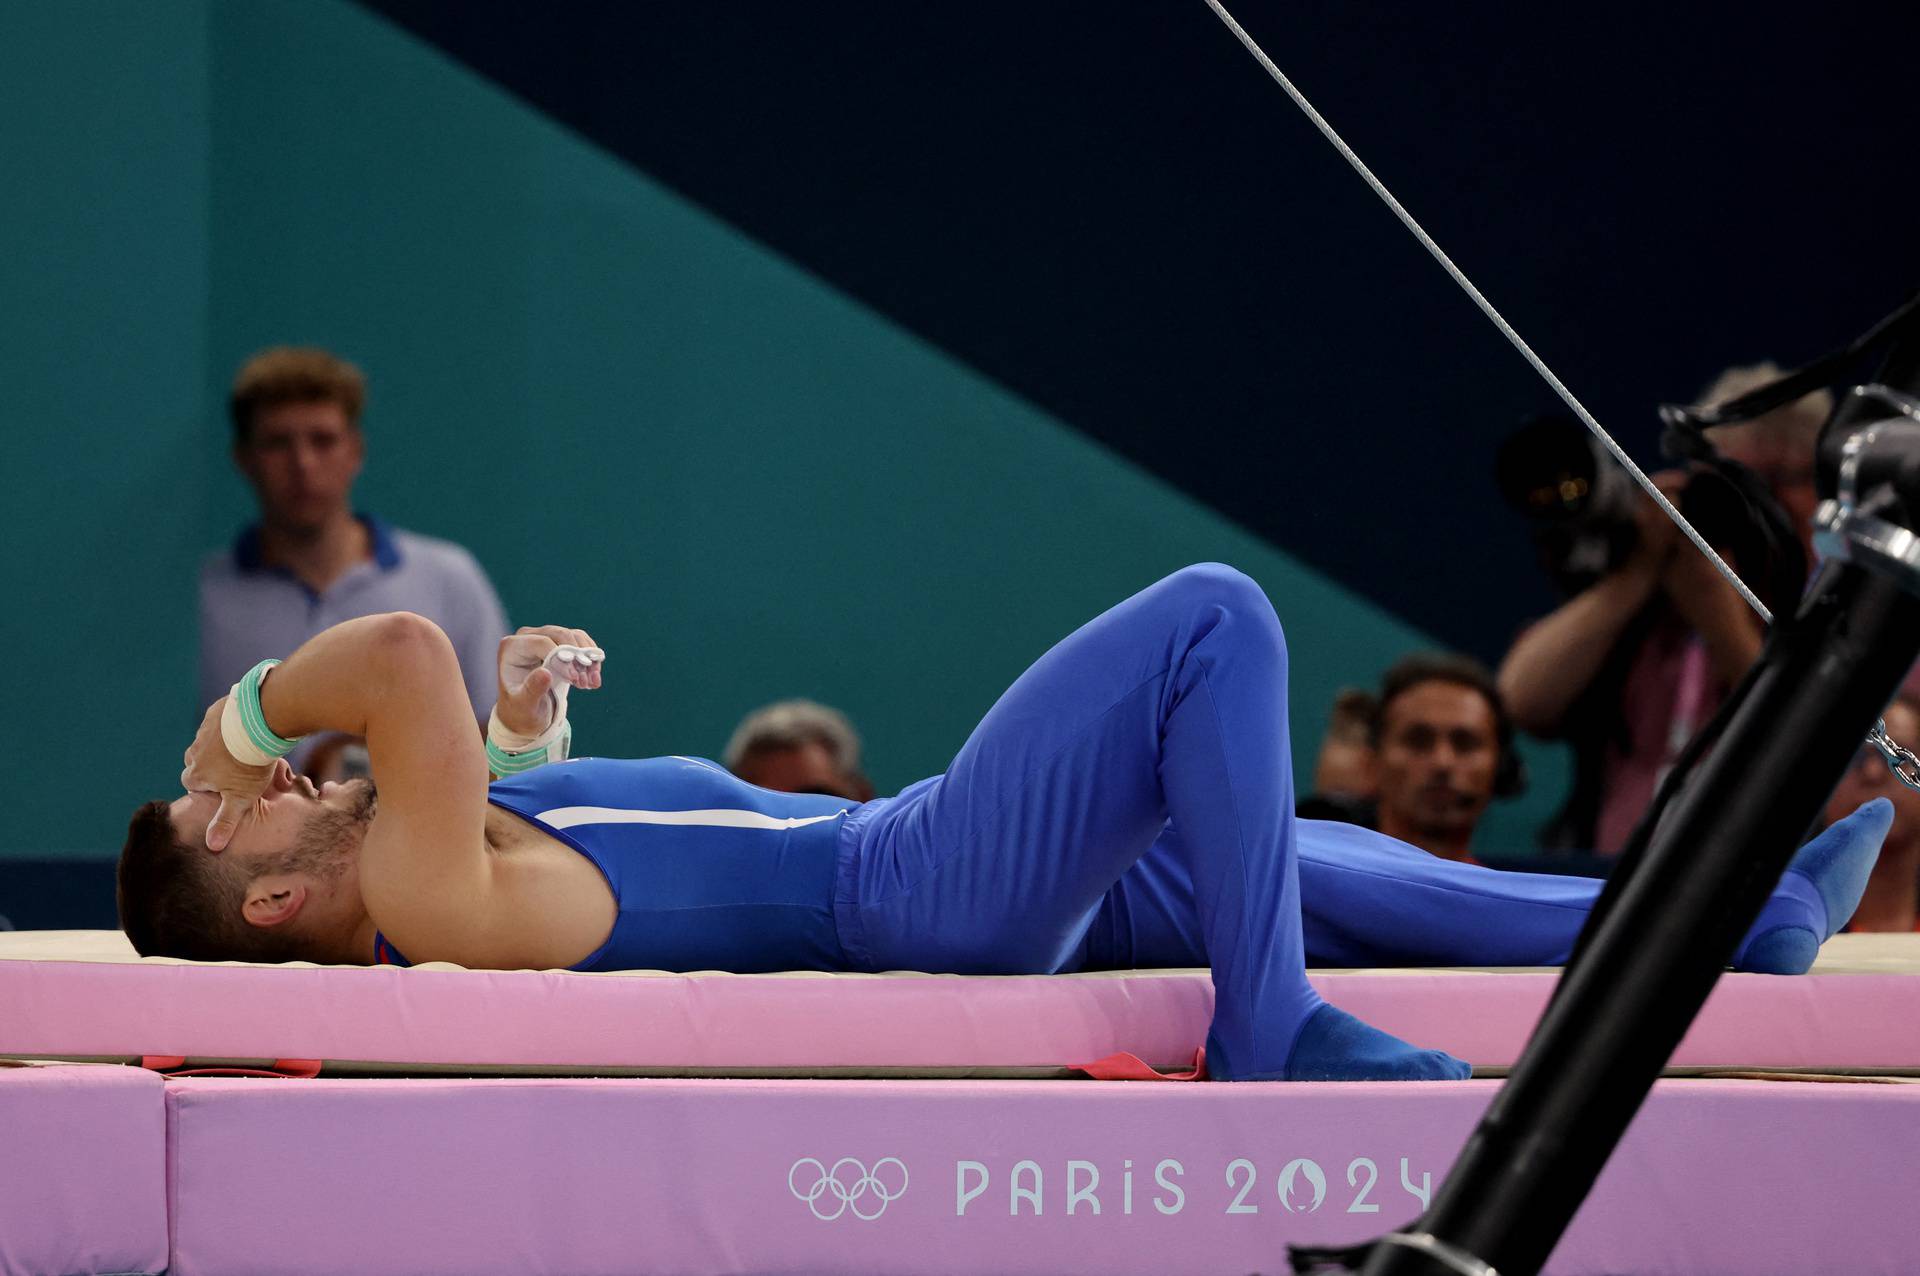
[1128, 1067]
[176, 1066]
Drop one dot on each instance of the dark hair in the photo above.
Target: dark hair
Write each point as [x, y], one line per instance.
[294, 374]
[1351, 719]
[176, 901]
[1463, 671]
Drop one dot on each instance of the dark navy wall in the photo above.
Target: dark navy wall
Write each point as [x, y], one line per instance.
[1111, 210]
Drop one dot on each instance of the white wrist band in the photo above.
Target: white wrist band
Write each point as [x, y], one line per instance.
[509, 752]
[243, 725]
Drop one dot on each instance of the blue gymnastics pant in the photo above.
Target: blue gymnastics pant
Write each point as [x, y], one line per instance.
[1129, 801]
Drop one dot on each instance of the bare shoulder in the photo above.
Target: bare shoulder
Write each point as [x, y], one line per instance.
[542, 906]
[554, 908]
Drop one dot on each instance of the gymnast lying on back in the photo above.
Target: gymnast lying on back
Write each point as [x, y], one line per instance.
[1127, 802]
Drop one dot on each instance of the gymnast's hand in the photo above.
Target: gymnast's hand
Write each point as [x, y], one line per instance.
[537, 668]
[211, 769]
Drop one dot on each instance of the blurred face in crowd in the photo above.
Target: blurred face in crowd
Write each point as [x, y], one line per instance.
[1868, 778]
[805, 768]
[1438, 755]
[302, 459]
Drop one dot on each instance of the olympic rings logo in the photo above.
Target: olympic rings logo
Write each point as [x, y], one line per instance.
[849, 1185]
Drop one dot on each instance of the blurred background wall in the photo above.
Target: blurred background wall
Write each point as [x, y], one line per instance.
[860, 352]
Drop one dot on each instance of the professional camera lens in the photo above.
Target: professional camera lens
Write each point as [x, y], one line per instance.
[1547, 469]
[1578, 499]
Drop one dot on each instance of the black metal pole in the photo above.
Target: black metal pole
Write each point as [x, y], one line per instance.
[1716, 856]
[1642, 974]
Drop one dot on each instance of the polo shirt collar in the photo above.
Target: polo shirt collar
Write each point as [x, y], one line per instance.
[386, 551]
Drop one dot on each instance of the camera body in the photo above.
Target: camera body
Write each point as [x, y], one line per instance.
[1582, 504]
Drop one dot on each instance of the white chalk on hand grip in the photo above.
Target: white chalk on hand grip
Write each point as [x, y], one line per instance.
[564, 660]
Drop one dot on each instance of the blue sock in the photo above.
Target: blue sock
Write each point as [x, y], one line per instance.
[1817, 894]
[1334, 1046]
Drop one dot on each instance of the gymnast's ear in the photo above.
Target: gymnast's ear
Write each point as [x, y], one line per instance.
[273, 900]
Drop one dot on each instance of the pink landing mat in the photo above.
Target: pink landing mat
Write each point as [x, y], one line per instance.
[82, 994]
[83, 1166]
[676, 1175]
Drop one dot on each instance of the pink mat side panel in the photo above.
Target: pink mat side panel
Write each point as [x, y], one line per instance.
[624, 1176]
[1749, 1021]
[82, 1171]
[552, 1018]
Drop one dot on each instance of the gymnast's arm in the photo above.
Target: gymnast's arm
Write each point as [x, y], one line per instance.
[424, 869]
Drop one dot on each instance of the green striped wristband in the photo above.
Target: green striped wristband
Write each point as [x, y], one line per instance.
[253, 721]
[503, 763]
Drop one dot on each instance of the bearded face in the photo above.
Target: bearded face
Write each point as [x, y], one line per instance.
[329, 841]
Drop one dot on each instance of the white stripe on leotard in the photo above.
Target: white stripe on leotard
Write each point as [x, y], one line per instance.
[566, 817]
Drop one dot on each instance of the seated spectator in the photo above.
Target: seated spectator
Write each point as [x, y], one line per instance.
[798, 746]
[1892, 901]
[1777, 447]
[1629, 668]
[1445, 750]
[1441, 751]
[1346, 765]
[311, 561]
[1345, 782]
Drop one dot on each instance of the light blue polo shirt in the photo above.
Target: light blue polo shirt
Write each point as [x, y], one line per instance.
[250, 611]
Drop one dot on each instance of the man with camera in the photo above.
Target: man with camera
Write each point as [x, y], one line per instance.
[1628, 668]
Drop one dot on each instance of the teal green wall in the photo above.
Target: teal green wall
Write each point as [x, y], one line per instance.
[104, 416]
[746, 485]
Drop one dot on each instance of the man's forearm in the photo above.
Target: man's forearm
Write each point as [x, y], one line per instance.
[1554, 661]
[1729, 629]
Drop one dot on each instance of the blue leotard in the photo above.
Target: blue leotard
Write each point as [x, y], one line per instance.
[708, 871]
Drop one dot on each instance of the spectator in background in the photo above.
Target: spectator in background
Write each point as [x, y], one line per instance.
[1345, 775]
[1444, 750]
[1440, 750]
[1628, 669]
[1892, 901]
[1345, 768]
[312, 561]
[798, 746]
[1778, 447]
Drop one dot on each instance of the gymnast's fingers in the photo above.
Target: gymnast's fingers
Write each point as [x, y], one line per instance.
[589, 671]
[520, 655]
[538, 683]
[576, 661]
[226, 821]
[559, 635]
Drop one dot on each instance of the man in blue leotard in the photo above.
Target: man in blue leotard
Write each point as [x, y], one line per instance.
[1128, 801]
